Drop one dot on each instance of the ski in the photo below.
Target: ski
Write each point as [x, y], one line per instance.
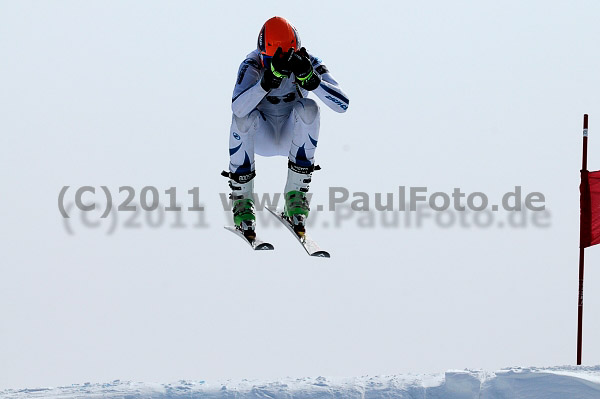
[257, 244]
[309, 245]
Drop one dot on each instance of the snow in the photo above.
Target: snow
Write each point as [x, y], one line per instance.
[523, 383]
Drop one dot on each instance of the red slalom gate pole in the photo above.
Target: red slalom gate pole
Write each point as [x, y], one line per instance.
[581, 247]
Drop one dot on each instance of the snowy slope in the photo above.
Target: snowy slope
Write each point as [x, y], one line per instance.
[527, 383]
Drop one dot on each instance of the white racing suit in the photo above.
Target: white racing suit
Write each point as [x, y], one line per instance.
[279, 122]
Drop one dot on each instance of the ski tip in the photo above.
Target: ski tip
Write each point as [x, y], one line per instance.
[254, 242]
[321, 254]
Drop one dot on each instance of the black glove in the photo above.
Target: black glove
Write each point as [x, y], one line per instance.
[279, 68]
[303, 70]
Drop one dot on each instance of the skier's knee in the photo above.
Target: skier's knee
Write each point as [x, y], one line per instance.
[246, 123]
[307, 109]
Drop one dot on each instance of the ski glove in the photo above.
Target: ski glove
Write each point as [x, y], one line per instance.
[278, 68]
[303, 70]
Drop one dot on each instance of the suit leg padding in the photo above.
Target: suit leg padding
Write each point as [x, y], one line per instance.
[307, 110]
[307, 122]
[241, 142]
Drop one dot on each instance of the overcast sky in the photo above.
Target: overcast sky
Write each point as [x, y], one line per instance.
[483, 96]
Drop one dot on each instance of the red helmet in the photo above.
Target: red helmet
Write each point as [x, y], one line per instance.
[277, 32]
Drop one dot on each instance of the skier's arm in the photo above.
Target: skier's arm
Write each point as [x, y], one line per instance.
[247, 92]
[329, 91]
[312, 75]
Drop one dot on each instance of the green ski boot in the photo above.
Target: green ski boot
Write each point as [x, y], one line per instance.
[242, 188]
[296, 207]
[244, 217]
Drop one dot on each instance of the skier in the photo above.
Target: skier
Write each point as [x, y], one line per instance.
[273, 116]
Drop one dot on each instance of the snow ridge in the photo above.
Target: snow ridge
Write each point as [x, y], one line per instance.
[523, 383]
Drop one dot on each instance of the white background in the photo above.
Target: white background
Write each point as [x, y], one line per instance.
[478, 95]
